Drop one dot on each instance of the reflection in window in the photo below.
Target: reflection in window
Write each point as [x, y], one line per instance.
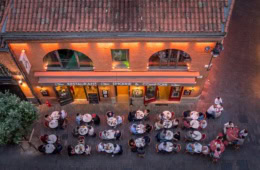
[65, 59]
[169, 59]
[120, 59]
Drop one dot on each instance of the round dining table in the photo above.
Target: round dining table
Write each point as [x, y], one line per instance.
[140, 128]
[140, 142]
[79, 149]
[217, 144]
[232, 133]
[194, 124]
[167, 115]
[169, 135]
[109, 134]
[53, 124]
[139, 114]
[52, 138]
[112, 121]
[169, 147]
[87, 118]
[49, 148]
[83, 130]
[55, 115]
[197, 147]
[109, 147]
[196, 135]
[167, 124]
[194, 115]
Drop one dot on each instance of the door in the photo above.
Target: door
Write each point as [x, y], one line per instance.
[150, 94]
[92, 94]
[164, 92]
[176, 93]
[122, 94]
[78, 92]
[64, 94]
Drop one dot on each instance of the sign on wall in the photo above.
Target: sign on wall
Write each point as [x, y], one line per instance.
[25, 61]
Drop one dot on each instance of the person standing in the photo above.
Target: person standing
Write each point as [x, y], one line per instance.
[218, 101]
[78, 119]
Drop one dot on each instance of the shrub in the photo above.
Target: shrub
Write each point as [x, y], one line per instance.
[16, 118]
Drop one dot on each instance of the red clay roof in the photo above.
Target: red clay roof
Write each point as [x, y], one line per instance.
[3, 10]
[173, 16]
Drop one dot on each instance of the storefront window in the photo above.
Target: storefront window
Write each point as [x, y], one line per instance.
[150, 92]
[65, 59]
[120, 59]
[169, 59]
[137, 91]
[64, 94]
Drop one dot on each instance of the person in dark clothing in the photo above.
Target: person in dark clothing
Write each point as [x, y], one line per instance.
[177, 136]
[96, 119]
[71, 150]
[118, 135]
[131, 116]
[147, 140]
[110, 114]
[58, 149]
[186, 113]
[140, 152]
[41, 148]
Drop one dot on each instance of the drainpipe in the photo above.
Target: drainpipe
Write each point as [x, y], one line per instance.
[24, 75]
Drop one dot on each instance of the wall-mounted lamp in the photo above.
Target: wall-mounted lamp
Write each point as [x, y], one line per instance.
[20, 82]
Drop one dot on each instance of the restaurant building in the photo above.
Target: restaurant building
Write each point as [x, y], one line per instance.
[119, 51]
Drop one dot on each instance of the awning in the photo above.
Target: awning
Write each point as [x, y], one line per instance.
[118, 78]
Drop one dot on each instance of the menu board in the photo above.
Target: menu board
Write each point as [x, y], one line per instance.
[93, 98]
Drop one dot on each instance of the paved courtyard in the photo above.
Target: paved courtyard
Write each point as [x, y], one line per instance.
[235, 77]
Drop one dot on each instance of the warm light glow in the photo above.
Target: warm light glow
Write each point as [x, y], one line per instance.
[154, 44]
[205, 44]
[20, 82]
[105, 45]
[78, 44]
[22, 46]
[50, 46]
[179, 44]
[130, 44]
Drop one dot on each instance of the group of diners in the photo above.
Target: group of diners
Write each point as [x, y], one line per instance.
[111, 134]
[51, 144]
[194, 120]
[84, 130]
[80, 148]
[166, 137]
[138, 143]
[87, 118]
[215, 110]
[57, 119]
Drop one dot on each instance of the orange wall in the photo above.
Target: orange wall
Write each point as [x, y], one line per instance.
[100, 53]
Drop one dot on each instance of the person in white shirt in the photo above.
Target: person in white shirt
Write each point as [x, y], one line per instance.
[218, 101]
[91, 131]
[63, 114]
[228, 125]
[212, 111]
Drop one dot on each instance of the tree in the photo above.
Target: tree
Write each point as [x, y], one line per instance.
[16, 118]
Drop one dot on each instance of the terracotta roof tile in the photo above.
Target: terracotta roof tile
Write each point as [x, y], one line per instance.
[115, 15]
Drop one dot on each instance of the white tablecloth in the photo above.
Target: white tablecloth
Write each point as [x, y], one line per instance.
[53, 123]
[55, 115]
[139, 114]
[197, 147]
[111, 121]
[109, 148]
[167, 124]
[52, 138]
[140, 128]
[167, 114]
[87, 118]
[196, 135]
[83, 130]
[79, 149]
[49, 148]
[169, 135]
[195, 124]
[140, 142]
[194, 115]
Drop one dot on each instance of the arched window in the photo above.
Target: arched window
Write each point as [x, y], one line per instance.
[65, 59]
[169, 59]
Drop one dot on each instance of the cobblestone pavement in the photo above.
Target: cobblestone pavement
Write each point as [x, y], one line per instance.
[235, 77]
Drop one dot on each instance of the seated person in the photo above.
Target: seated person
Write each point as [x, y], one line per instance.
[227, 125]
[161, 136]
[119, 120]
[148, 128]
[132, 145]
[159, 125]
[75, 131]
[216, 154]
[91, 131]
[58, 148]
[205, 150]
[146, 113]
[133, 129]
[189, 136]
[177, 136]
[71, 150]
[140, 152]
[201, 116]
[131, 116]
[239, 142]
[190, 148]
[95, 119]
[110, 114]
[44, 138]
[175, 122]
[101, 147]
[41, 148]
[186, 124]
[87, 150]
[203, 124]
[117, 134]
[47, 119]
[162, 147]
[147, 140]
[186, 113]
[243, 132]
[117, 150]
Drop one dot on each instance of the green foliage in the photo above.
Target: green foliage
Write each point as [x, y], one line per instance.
[16, 118]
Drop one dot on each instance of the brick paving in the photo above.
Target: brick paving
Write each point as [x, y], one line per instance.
[234, 77]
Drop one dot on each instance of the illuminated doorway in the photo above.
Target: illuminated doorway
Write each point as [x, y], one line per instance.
[122, 94]
[164, 92]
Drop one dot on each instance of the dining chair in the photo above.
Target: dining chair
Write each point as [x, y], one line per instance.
[203, 136]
